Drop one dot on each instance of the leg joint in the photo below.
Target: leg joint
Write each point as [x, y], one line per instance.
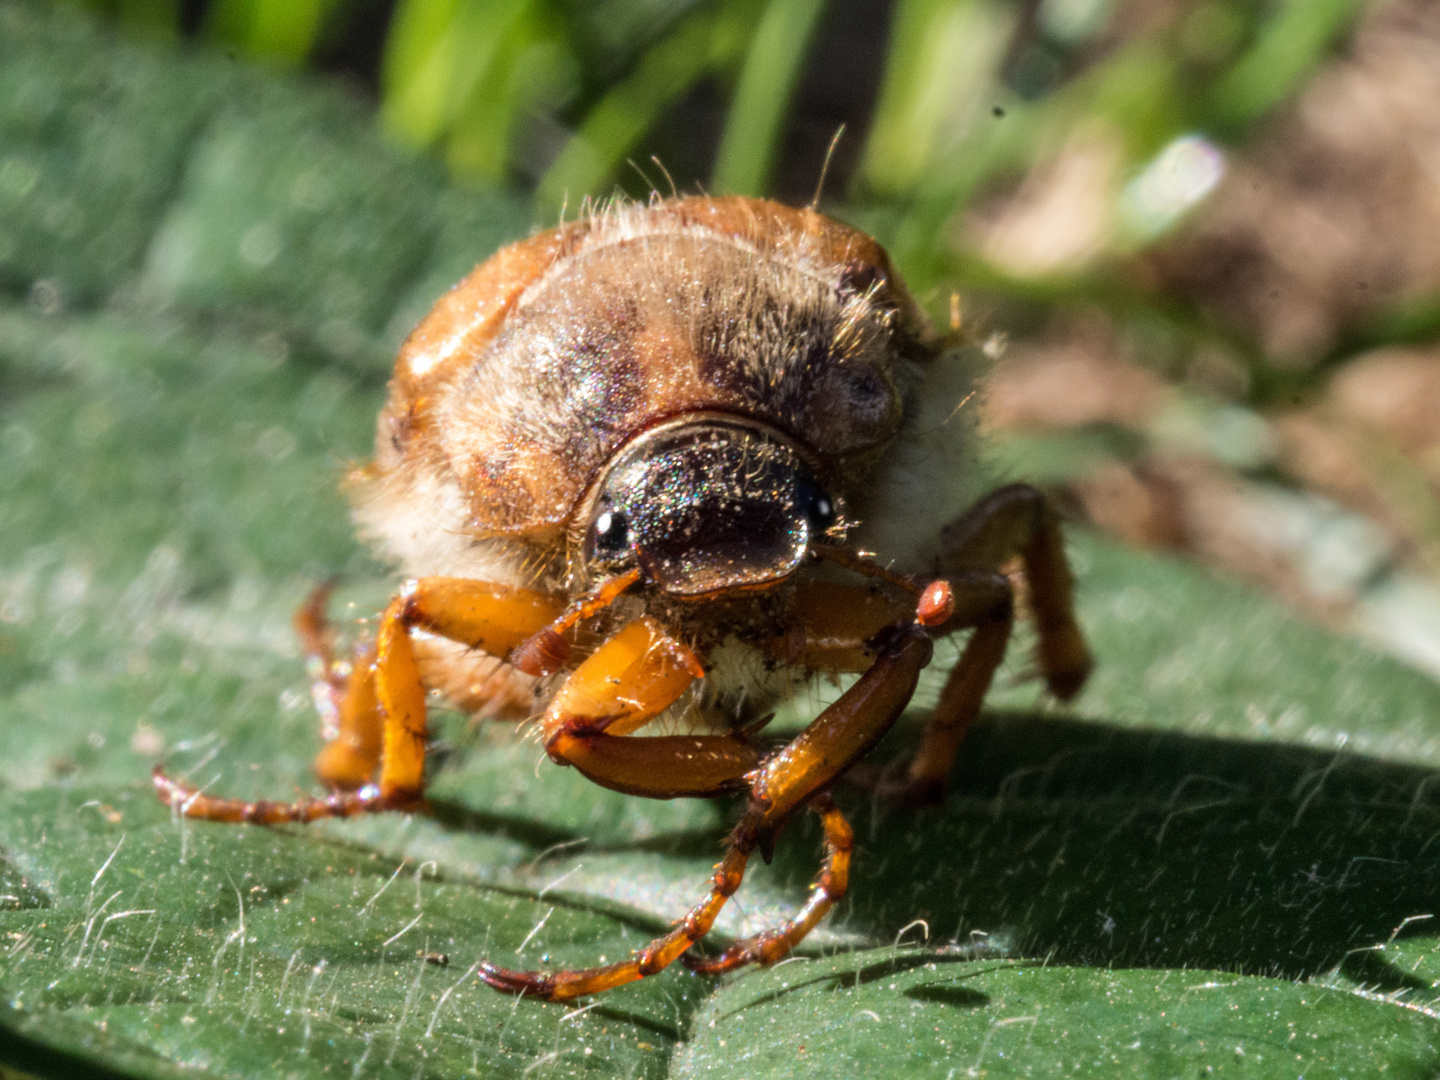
[727, 881]
[650, 961]
[407, 603]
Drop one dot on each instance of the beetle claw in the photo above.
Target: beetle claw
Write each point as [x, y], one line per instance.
[509, 981]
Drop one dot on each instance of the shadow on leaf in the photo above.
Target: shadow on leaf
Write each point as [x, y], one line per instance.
[1103, 845]
[942, 994]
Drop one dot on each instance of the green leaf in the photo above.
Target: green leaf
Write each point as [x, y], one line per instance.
[940, 66]
[1288, 46]
[437, 54]
[700, 43]
[471, 74]
[79, 195]
[1216, 860]
[901, 1013]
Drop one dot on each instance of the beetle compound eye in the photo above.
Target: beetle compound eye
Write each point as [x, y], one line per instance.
[820, 509]
[611, 532]
[822, 512]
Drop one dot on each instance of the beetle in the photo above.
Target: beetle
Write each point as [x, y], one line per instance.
[674, 460]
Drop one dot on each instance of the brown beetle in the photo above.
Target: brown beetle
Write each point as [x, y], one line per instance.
[635, 464]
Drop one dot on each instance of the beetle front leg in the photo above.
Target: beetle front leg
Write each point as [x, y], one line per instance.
[632, 678]
[780, 786]
[651, 960]
[801, 773]
[830, 885]
[492, 618]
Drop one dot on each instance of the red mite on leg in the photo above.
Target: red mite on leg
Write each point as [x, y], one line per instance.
[632, 466]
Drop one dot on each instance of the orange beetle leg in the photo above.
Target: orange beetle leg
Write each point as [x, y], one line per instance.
[629, 680]
[1017, 520]
[193, 803]
[317, 643]
[349, 759]
[350, 720]
[842, 734]
[801, 773]
[779, 787]
[830, 886]
[624, 684]
[983, 601]
[493, 618]
[654, 958]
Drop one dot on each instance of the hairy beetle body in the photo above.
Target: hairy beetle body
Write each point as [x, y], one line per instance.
[649, 472]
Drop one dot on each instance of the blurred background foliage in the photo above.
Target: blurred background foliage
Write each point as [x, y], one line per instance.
[946, 102]
[1197, 235]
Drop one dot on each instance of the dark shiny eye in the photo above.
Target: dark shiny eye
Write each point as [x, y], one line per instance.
[857, 278]
[612, 532]
[819, 507]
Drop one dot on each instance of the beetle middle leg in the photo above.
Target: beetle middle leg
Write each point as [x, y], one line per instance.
[492, 618]
[1018, 520]
[1014, 521]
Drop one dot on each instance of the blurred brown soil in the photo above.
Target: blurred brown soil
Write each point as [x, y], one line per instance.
[1331, 213]
[1326, 223]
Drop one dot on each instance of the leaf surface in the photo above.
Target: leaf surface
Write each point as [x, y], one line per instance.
[1202, 865]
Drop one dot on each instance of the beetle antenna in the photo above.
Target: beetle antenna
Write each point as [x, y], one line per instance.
[825, 168]
[861, 564]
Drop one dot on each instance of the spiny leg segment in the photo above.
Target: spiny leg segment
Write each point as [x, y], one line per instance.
[830, 885]
[1018, 520]
[386, 694]
[780, 786]
[651, 960]
[193, 803]
[663, 951]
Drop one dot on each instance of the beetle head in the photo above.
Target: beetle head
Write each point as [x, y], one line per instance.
[705, 504]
